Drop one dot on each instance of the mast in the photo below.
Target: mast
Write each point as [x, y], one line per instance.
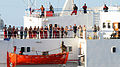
[67, 6]
[110, 2]
[29, 6]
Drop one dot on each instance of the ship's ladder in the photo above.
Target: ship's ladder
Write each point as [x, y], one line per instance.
[96, 18]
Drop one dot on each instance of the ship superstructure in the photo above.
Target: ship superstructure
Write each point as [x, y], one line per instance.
[88, 51]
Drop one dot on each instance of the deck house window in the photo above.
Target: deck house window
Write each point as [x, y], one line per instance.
[104, 26]
[28, 49]
[109, 25]
[119, 25]
[69, 48]
[23, 49]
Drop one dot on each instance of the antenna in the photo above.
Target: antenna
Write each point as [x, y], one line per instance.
[72, 2]
[110, 2]
[29, 4]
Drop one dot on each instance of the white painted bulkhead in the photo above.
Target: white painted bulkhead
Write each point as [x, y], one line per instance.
[108, 18]
[80, 19]
[99, 53]
[41, 45]
[4, 47]
[32, 21]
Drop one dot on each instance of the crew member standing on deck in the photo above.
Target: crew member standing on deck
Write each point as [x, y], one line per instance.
[5, 31]
[41, 32]
[75, 8]
[84, 32]
[21, 32]
[66, 31]
[75, 30]
[58, 32]
[42, 11]
[105, 8]
[30, 32]
[45, 32]
[85, 8]
[54, 31]
[70, 31]
[51, 8]
[62, 31]
[25, 32]
[13, 32]
[34, 32]
[9, 32]
[16, 30]
[38, 32]
[50, 30]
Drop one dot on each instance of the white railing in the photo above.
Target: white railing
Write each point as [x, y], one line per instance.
[64, 12]
[89, 34]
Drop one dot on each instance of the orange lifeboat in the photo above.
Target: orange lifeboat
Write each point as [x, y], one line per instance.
[16, 59]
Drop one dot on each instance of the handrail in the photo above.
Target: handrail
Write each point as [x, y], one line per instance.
[66, 12]
[88, 34]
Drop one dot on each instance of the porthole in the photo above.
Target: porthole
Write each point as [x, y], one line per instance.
[113, 49]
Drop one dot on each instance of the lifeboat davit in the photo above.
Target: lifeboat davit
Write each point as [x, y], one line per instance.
[16, 59]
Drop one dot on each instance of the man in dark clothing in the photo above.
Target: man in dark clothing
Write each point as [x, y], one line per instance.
[105, 8]
[5, 31]
[42, 11]
[21, 32]
[50, 30]
[95, 32]
[9, 32]
[51, 8]
[85, 8]
[75, 8]
[75, 30]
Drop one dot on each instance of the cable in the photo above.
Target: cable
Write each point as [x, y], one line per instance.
[49, 50]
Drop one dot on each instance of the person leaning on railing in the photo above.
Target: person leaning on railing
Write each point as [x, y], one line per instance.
[5, 31]
[51, 9]
[50, 30]
[58, 32]
[66, 31]
[30, 32]
[21, 32]
[105, 8]
[41, 32]
[85, 8]
[17, 35]
[75, 30]
[84, 32]
[25, 32]
[54, 31]
[45, 32]
[75, 8]
[70, 31]
[95, 32]
[38, 32]
[13, 32]
[80, 31]
[9, 32]
[34, 32]
[62, 31]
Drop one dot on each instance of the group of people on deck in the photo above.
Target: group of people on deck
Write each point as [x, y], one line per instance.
[43, 32]
[75, 8]
[43, 9]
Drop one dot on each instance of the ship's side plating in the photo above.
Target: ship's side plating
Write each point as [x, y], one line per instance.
[37, 46]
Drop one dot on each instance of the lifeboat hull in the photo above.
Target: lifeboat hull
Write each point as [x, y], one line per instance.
[16, 59]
